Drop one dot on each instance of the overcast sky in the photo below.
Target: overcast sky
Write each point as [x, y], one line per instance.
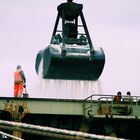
[26, 27]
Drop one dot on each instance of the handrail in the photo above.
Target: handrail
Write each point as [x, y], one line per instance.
[98, 97]
[135, 98]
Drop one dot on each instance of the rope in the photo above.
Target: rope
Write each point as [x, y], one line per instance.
[10, 136]
[52, 132]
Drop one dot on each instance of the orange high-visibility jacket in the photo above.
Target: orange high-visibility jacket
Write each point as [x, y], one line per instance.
[18, 77]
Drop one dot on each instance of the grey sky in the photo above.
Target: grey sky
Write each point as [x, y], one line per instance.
[26, 27]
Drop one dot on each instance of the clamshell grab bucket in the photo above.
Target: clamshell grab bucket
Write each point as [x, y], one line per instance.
[72, 66]
[71, 55]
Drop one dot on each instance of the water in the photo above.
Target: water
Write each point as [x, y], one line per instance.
[66, 89]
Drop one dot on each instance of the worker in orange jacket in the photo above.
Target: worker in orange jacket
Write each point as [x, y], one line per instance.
[19, 82]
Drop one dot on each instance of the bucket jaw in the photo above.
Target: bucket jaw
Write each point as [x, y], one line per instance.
[77, 64]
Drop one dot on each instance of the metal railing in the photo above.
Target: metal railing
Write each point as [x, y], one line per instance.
[99, 99]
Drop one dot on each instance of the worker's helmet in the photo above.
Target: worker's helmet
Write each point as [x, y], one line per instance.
[18, 67]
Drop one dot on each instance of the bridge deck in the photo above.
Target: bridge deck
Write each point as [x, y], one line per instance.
[90, 108]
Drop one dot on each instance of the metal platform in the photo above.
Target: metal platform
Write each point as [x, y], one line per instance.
[94, 106]
[97, 114]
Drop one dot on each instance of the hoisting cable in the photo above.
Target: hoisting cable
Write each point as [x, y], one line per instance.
[10, 136]
[52, 132]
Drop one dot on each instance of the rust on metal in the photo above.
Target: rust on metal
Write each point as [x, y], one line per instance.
[104, 110]
[17, 109]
